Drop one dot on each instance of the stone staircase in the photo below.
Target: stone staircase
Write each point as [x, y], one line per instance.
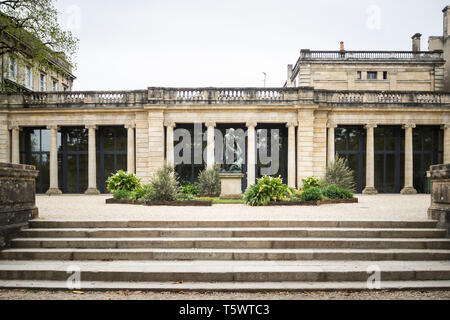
[228, 255]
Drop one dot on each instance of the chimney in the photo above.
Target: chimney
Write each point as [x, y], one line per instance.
[416, 42]
[446, 12]
[290, 83]
[342, 46]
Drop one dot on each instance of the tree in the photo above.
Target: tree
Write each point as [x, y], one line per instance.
[31, 27]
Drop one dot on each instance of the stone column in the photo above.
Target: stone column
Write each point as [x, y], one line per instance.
[54, 188]
[291, 154]
[331, 142]
[170, 156]
[15, 145]
[370, 157]
[92, 152]
[210, 149]
[130, 148]
[446, 129]
[251, 154]
[409, 178]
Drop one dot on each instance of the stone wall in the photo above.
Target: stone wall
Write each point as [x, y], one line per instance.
[440, 196]
[17, 199]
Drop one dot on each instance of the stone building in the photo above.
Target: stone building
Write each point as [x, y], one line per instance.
[390, 128]
[22, 73]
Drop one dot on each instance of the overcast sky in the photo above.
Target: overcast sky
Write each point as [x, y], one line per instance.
[135, 44]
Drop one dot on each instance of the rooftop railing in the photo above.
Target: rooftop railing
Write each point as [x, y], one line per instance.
[371, 55]
[220, 96]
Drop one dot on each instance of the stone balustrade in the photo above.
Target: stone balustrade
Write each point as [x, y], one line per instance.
[306, 54]
[220, 96]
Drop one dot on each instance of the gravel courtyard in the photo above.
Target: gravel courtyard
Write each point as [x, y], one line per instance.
[380, 207]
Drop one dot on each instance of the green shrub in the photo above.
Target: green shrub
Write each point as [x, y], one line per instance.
[122, 180]
[339, 174]
[148, 193]
[209, 182]
[312, 194]
[189, 197]
[311, 182]
[347, 194]
[267, 189]
[332, 192]
[123, 195]
[165, 185]
[189, 189]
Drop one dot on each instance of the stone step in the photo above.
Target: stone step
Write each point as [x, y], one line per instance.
[224, 254]
[232, 232]
[217, 271]
[226, 286]
[232, 243]
[44, 224]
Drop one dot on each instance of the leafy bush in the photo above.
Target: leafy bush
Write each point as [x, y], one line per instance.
[265, 190]
[189, 197]
[189, 189]
[339, 174]
[332, 192]
[311, 182]
[122, 180]
[123, 195]
[347, 194]
[312, 194]
[148, 194]
[165, 185]
[209, 182]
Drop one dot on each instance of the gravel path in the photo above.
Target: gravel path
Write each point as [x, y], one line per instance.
[380, 207]
[139, 295]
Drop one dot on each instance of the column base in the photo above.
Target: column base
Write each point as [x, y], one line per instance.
[408, 190]
[92, 192]
[370, 191]
[53, 192]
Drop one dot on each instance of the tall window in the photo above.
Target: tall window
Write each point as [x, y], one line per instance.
[359, 75]
[35, 150]
[29, 77]
[54, 85]
[42, 85]
[12, 68]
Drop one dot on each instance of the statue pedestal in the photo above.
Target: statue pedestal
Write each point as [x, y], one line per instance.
[231, 185]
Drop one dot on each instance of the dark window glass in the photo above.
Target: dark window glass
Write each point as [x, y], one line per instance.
[351, 145]
[111, 153]
[428, 145]
[371, 75]
[186, 141]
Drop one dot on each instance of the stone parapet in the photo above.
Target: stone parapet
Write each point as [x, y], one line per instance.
[17, 199]
[440, 196]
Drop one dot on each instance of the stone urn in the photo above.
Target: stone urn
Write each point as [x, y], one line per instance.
[231, 185]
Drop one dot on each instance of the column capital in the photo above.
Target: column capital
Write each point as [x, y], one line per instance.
[332, 125]
[130, 125]
[53, 127]
[370, 126]
[445, 126]
[91, 126]
[210, 124]
[251, 124]
[170, 124]
[408, 125]
[292, 124]
[15, 127]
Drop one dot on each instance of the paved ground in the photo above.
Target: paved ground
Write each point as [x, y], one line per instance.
[380, 207]
[139, 295]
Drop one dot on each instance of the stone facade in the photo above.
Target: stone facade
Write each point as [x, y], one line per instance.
[440, 196]
[17, 199]
[149, 116]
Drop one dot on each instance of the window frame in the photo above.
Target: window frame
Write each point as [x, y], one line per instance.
[42, 84]
[29, 77]
[370, 73]
[12, 71]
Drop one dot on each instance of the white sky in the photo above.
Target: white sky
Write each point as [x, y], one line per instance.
[135, 44]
